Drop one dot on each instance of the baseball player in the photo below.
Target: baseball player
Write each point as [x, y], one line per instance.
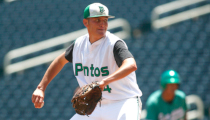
[168, 103]
[99, 56]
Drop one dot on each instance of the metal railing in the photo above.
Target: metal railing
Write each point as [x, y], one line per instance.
[167, 21]
[10, 68]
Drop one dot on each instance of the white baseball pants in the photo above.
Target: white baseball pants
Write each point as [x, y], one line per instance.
[126, 109]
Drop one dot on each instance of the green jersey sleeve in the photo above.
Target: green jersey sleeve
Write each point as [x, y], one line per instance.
[182, 96]
[152, 113]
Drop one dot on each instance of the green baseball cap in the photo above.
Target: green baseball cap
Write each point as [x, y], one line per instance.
[96, 10]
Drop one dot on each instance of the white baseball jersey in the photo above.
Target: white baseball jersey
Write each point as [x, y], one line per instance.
[93, 62]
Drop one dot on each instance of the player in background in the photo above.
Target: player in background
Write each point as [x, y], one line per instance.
[167, 103]
[99, 56]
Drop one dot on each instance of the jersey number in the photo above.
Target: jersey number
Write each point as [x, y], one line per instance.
[107, 88]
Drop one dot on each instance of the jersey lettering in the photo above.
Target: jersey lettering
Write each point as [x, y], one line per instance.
[97, 72]
[92, 68]
[79, 68]
[105, 71]
[175, 115]
[86, 71]
[107, 88]
[93, 71]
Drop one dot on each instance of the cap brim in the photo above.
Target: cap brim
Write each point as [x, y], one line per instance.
[110, 16]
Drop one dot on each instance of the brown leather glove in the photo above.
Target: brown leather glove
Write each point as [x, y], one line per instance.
[86, 98]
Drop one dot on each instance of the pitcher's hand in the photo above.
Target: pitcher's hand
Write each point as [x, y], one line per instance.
[102, 85]
[38, 98]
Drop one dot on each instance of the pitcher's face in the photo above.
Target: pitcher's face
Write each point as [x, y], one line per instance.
[97, 26]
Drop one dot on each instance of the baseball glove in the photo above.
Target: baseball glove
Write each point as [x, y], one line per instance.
[86, 98]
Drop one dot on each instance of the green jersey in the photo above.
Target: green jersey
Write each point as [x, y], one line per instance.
[158, 109]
